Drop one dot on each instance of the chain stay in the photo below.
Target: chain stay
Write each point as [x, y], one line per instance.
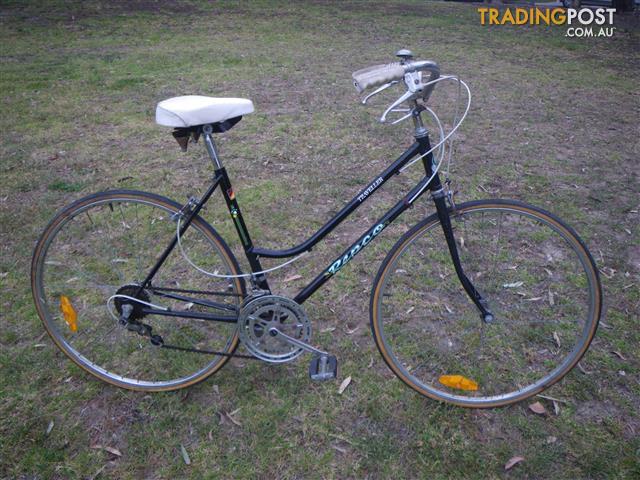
[145, 330]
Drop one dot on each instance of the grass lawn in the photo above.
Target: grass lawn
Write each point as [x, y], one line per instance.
[554, 121]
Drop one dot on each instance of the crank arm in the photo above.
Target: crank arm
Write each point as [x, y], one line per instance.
[274, 332]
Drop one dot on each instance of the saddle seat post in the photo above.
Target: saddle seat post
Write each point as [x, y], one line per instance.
[207, 130]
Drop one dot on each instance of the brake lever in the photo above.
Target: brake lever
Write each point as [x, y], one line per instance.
[405, 97]
[378, 90]
[404, 117]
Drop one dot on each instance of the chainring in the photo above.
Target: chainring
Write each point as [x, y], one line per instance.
[258, 315]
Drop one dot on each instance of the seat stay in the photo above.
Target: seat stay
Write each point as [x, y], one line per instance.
[183, 228]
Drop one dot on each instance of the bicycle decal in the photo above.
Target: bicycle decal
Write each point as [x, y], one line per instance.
[341, 262]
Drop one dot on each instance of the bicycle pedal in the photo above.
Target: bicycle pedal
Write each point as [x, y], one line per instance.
[323, 368]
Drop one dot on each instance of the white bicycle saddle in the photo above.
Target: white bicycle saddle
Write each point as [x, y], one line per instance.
[193, 110]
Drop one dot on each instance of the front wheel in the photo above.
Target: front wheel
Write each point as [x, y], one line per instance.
[541, 285]
[103, 246]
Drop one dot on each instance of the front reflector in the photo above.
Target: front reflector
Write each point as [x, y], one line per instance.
[69, 313]
[458, 381]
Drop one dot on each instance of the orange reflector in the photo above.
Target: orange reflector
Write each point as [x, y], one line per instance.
[458, 381]
[69, 313]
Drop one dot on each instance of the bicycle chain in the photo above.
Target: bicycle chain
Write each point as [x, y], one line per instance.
[145, 330]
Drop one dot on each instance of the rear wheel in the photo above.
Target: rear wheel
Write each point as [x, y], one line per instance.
[540, 282]
[104, 245]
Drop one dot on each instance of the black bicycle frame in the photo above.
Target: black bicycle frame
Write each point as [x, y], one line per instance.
[430, 182]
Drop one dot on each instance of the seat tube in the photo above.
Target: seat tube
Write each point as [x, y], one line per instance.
[260, 280]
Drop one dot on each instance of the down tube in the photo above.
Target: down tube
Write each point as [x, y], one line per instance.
[360, 244]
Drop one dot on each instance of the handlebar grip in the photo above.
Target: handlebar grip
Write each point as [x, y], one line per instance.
[377, 75]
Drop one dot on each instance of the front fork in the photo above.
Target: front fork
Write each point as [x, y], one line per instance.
[439, 198]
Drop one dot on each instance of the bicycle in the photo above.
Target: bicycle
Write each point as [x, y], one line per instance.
[480, 304]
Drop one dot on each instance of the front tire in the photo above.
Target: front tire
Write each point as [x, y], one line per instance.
[541, 284]
[105, 244]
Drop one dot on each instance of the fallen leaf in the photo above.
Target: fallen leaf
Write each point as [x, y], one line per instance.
[608, 272]
[551, 439]
[343, 386]
[370, 362]
[210, 435]
[49, 428]
[233, 420]
[582, 369]
[618, 354]
[513, 285]
[538, 408]
[98, 472]
[622, 373]
[327, 330]
[291, 278]
[349, 332]
[113, 451]
[340, 449]
[185, 455]
[411, 309]
[216, 389]
[547, 397]
[556, 337]
[556, 407]
[552, 302]
[513, 461]
[188, 306]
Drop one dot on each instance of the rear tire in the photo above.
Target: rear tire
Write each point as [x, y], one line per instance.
[106, 243]
[540, 282]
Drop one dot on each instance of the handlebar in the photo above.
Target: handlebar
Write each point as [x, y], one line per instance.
[387, 75]
[380, 74]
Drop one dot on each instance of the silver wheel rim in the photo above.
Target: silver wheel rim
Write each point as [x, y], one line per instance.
[516, 395]
[82, 359]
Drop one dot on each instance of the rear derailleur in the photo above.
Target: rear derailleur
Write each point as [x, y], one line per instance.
[140, 328]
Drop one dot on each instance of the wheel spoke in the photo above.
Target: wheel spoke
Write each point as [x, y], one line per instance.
[427, 326]
[108, 239]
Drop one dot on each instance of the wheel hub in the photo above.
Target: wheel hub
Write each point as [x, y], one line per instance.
[131, 291]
